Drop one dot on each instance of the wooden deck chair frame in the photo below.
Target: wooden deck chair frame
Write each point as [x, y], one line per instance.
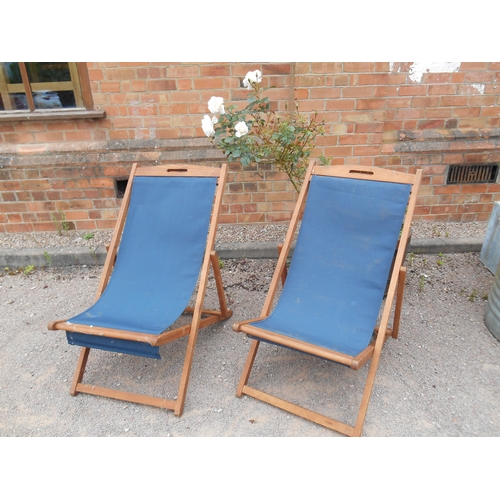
[210, 316]
[382, 332]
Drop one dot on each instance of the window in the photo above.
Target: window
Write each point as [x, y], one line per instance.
[45, 90]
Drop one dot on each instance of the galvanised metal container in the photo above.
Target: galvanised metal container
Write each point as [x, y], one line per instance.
[492, 313]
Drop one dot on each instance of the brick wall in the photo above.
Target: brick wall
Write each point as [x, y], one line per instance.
[396, 115]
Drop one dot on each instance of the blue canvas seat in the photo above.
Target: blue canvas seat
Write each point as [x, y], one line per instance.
[347, 245]
[165, 234]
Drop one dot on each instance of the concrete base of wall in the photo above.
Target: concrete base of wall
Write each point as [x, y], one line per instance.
[61, 257]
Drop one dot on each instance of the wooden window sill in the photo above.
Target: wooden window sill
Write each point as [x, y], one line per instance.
[60, 114]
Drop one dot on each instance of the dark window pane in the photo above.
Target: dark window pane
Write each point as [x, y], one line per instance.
[48, 72]
[67, 98]
[11, 72]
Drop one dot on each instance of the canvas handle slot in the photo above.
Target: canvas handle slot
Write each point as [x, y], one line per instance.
[361, 172]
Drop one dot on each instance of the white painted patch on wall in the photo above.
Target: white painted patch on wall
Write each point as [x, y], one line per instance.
[418, 69]
[479, 87]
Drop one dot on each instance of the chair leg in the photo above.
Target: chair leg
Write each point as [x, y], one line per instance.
[399, 302]
[360, 420]
[186, 370]
[218, 283]
[80, 369]
[284, 274]
[376, 356]
[188, 360]
[248, 367]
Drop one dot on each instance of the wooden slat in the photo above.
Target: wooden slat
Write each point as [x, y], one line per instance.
[399, 302]
[75, 84]
[26, 85]
[248, 367]
[147, 338]
[214, 259]
[299, 411]
[80, 369]
[179, 170]
[283, 340]
[83, 75]
[126, 396]
[190, 310]
[365, 173]
[52, 86]
[4, 92]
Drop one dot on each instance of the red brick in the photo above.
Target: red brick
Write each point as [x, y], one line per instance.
[96, 74]
[182, 71]
[455, 100]
[357, 92]
[380, 79]
[12, 207]
[438, 112]
[120, 74]
[105, 224]
[83, 135]
[442, 89]
[444, 209]
[427, 124]
[371, 103]
[353, 139]
[358, 67]
[325, 93]
[473, 66]
[415, 90]
[85, 225]
[324, 67]
[228, 219]
[366, 150]
[278, 217]
[19, 228]
[215, 70]
[161, 85]
[110, 87]
[250, 218]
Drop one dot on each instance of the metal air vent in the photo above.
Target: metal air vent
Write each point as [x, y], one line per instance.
[472, 174]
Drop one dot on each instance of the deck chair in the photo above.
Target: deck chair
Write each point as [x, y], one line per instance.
[333, 293]
[164, 234]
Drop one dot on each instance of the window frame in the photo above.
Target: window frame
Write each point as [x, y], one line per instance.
[79, 84]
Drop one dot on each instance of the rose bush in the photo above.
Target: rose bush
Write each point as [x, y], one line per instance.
[257, 133]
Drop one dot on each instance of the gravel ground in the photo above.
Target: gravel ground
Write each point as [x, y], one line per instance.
[225, 234]
[440, 378]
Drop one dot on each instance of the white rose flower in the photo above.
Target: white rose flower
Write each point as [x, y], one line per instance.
[241, 129]
[216, 105]
[207, 124]
[252, 77]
